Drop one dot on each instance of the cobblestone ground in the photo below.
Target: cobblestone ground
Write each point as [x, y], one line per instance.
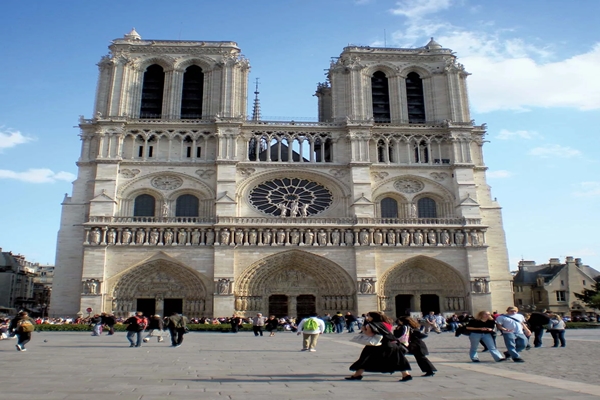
[73, 365]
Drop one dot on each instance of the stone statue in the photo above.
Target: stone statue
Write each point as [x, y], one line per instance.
[309, 236]
[431, 238]
[349, 238]
[168, 237]
[223, 286]
[239, 237]
[445, 238]
[322, 238]
[294, 208]
[140, 235]
[335, 238]
[382, 304]
[391, 238]
[413, 211]
[225, 236]
[474, 239]
[281, 237]
[304, 210]
[282, 209]
[366, 286]
[238, 304]
[405, 236]
[210, 237]
[111, 236]
[267, 236]
[418, 238]
[459, 237]
[154, 237]
[196, 237]
[252, 237]
[378, 237]
[181, 237]
[126, 236]
[95, 236]
[165, 210]
[364, 238]
[295, 237]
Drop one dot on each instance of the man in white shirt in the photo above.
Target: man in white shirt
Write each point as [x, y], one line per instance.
[511, 325]
[310, 328]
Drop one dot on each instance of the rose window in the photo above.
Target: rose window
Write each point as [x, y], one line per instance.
[291, 197]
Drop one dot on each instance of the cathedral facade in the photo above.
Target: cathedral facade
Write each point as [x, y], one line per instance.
[185, 203]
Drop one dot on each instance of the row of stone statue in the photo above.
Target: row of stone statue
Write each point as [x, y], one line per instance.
[257, 303]
[284, 237]
[123, 307]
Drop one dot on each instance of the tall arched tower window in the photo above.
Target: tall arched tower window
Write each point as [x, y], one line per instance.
[389, 208]
[427, 208]
[414, 99]
[187, 206]
[191, 97]
[381, 97]
[143, 206]
[152, 92]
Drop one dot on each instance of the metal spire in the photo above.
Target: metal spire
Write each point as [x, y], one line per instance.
[256, 108]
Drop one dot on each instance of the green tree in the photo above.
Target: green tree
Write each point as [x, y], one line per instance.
[591, 297]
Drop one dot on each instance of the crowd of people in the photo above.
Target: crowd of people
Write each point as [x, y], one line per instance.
[386, 345]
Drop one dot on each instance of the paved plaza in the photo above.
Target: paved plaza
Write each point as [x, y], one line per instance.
[75, 365]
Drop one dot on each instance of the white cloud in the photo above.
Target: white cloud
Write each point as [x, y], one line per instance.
[506, 134]
[499, 174]
[588, 189]
[419, 8]
[554, 150]
[12, 138]
[39, 175]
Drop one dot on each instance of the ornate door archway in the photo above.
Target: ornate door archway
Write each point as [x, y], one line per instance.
[417, 280]
[160, 280]
[298, 275]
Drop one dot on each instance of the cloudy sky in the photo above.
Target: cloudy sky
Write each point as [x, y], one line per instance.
[534, 81]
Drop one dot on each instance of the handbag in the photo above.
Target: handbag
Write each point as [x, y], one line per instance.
[366, 340]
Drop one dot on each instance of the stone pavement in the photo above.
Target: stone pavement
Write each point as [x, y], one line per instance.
[75, 365]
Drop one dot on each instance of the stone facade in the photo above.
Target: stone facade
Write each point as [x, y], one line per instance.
[184, 203]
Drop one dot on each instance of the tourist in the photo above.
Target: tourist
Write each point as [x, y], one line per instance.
[408, 328]
[512, 327]
[236, 323]
[481, 330]
[22, 325]
[155, 324]
[96, 322]
[109, 321]
[338, 321]
[328, 325]
[258, 323]
[177, 325]
[386, 358]
[538, 321]
[135, 327]
[310, 328]
[557, 330]
[430, 322]
[271, 325]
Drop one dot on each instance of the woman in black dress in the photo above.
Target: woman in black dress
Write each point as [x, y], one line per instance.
[271, 325]
[416, 346]
[386, 358]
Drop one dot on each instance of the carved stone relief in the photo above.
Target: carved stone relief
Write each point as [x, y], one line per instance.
[91, 287]
[129, 173]
[166, 182]
[406, 185]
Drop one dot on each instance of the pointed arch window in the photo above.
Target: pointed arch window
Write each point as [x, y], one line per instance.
[152, 92]
[427, 208]
[389, 208]
[414, 99]
[381, 98]
[187, 206]
[143, 206]
[192, 92]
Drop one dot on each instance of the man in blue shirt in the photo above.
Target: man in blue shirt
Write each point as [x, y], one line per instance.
[511, 325]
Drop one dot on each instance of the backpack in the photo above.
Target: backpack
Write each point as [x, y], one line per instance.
[141, 322]
[311, 325]
[25, 326]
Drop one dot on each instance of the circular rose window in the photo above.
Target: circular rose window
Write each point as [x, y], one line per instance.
[291, 197]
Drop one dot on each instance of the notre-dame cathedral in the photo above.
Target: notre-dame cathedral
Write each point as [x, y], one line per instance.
[184, 202]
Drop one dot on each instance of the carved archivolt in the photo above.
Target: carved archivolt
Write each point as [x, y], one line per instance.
[422, 275]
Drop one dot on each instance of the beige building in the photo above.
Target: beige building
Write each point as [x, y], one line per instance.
[185, 203]
[552, 286]
[16, 282]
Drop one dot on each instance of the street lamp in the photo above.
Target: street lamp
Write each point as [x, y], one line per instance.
[44, 306]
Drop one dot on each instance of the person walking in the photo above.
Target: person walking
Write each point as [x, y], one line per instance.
[338, 321]
[385, 358]
[538, 321]
[481, 330]
[310, 328]
[328, 325]
[350, 322]
[258, 323]
[557, 330]
[177, 325]
[109, 321]
[22, 325]
[155, 324]
[271, 325]
[411, 336]
[135, 327]
[512, 326]
[96, 322]
[236, 323]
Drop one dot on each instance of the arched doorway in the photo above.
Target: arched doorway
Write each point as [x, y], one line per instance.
[422, 284]
[160, 287]
[295, 283]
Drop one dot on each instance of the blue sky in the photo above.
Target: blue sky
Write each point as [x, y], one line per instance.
[534, 81]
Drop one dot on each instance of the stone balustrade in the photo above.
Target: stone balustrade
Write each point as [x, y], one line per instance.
[290, 236]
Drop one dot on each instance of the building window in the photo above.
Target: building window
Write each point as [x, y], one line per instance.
[144, 206]
[584, 282]
[152, 92]
[426, 208]
[519, 302]
[191, 98]
[389, 208]
[415, 100]
[561, 295]
[422, 152]
[381, 97]
[562, 283]
[290, 197]
[539, 296]
[187, 206]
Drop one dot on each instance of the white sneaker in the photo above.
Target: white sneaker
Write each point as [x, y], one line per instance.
[313, 350]
[160, 340]
[19, 348]
[23, 349]
[146, 340]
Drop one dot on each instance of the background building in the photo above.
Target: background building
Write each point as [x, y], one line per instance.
[16, 282]
[552, 286]
[184, 203]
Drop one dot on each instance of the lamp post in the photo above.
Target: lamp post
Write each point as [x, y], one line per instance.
[44, 306]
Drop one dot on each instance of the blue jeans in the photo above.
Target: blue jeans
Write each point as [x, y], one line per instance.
[515, 343]
[453, 326]
[339, 328]
[487, 339]
[131, 334]
[558, 335]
